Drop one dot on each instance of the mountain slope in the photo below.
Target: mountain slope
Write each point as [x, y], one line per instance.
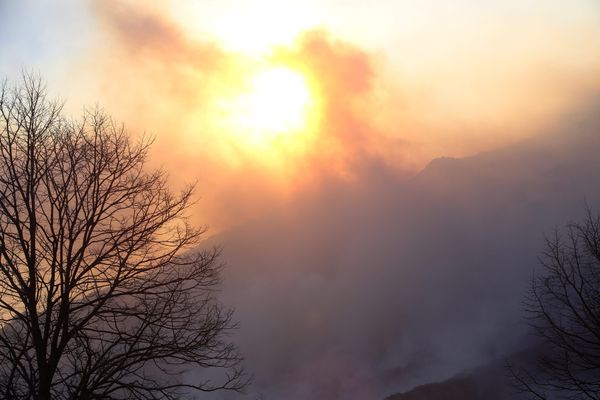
[362, 288]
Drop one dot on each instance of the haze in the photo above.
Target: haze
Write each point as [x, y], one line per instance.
[384, 241]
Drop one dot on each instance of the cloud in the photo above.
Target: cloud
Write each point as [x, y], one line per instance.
[345, 77]
[152, 74]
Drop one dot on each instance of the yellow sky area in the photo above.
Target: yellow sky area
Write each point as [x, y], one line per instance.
[444, 79]
[240, 92]
[252, 28]
[453, 78]
[273, 106]
[295, 110]
[257, 111]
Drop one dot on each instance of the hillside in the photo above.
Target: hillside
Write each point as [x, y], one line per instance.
[375, 286]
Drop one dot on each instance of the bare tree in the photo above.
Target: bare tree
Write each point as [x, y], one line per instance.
[563, 306]
[103, 293]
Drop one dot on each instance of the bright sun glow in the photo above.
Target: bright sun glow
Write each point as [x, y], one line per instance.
[277, 103]
[252, 28]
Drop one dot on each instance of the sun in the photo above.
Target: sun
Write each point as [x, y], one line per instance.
[276, 102]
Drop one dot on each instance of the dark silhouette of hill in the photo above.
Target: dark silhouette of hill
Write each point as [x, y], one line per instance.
[487, 382]
[458, 388]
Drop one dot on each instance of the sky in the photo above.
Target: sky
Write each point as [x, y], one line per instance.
[310, 128]
[419, 79]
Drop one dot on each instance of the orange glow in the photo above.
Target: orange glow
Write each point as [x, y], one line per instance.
[253, 28]
[277, 104]
[274, 111]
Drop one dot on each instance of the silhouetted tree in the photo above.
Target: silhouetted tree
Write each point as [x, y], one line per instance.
[563, 306]
[103, 292]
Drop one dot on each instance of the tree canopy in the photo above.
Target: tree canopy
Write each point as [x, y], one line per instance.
[104, 293]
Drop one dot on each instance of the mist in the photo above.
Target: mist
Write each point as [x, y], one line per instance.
[393, 248]
[360, 290]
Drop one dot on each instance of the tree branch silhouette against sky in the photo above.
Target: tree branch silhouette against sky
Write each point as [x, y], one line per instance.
[104, 294]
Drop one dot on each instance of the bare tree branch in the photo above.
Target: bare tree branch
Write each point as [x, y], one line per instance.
[103, 292]
[563, 307]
